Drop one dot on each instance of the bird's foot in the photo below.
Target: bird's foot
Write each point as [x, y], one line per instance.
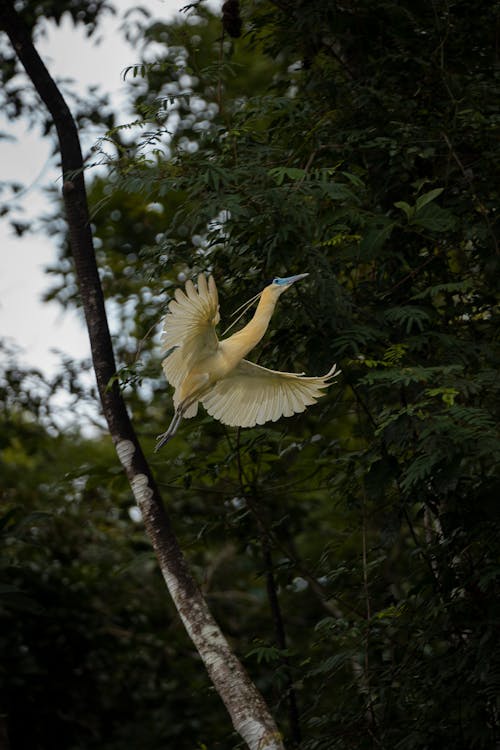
[172, 429]
[163, 439]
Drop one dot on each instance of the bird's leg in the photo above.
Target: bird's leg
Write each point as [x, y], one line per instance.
[171, 430]
[174, 424]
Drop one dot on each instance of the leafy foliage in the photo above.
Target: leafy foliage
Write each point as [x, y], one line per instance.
[359, 143]
[90, 646]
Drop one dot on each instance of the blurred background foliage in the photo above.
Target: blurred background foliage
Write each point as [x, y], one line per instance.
[351, 554]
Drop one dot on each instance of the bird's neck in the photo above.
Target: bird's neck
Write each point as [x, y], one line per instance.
[242, 342]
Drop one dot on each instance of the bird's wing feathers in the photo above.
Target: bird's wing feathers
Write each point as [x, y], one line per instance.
[252, 394]
[189, 328]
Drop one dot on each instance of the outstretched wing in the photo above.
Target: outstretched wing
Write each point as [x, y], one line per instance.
[189, 328]
[252, 394]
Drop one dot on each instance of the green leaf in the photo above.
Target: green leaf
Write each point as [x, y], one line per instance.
[338, 192]
[375, 237]
[426, 198]
[408, 316]
[448, 395]
[434, 218]
[279, 174]
[409, 210]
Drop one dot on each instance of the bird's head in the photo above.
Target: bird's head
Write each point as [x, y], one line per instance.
[279, 284]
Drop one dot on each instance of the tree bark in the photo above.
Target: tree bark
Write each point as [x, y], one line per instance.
[249, 713]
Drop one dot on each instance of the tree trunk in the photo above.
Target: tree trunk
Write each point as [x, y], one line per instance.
[250, 715]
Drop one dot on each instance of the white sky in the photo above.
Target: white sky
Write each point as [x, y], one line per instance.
[39, 328]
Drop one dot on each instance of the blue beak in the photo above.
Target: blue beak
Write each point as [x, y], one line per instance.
[290, 279]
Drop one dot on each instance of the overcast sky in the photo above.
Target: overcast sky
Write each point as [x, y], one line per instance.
[38, 328]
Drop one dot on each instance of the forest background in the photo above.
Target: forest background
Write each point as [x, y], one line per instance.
[350, 554]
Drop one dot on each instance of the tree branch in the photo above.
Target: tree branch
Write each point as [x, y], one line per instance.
[249, 714]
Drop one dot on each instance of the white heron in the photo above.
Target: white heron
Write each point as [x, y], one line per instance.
[215, 373]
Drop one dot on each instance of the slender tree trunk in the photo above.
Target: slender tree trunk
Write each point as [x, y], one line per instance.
[249, 714]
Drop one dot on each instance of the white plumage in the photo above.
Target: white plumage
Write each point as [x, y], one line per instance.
[204, 370]
[251, 394]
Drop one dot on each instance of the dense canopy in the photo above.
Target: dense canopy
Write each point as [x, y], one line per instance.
[349, 553]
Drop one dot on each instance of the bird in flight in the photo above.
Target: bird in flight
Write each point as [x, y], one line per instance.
[204, 370]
